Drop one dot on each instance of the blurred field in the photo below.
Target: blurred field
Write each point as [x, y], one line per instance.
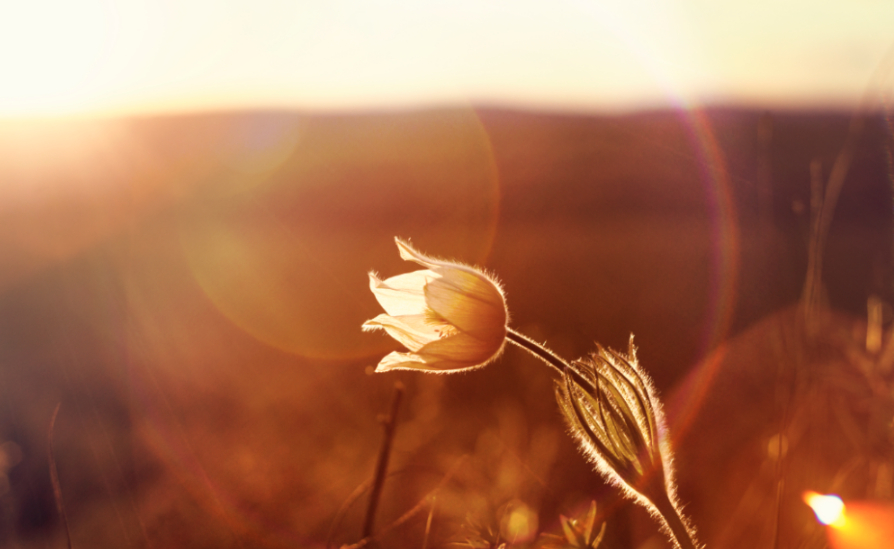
[191, 289]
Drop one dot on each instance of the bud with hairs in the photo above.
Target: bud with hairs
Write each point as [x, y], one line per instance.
[613, 412]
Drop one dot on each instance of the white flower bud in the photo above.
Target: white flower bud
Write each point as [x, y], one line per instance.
[450, 316]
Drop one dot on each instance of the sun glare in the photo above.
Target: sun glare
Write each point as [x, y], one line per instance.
[60, 57]
[829, 509]
[52, 55]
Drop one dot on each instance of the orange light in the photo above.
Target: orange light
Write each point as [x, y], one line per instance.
[829, 509]
[859, 525]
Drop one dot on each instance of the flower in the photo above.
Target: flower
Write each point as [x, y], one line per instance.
[613, 411]
[450, 316]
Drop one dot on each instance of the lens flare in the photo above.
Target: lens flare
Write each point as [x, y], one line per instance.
[519, 524]
[829, 509]
[271, 253]
[859, 525]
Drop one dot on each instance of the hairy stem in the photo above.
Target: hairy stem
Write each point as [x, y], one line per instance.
[682, 537]
[655, 490]
[550, 358]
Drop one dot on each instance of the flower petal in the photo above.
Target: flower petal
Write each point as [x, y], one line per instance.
[402, 294]
[407, 253]
[411, 361]
[451, 317]
[412, 331]
[463, 348]
[469, 301]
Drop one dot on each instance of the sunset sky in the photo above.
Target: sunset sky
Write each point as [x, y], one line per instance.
[126, 56]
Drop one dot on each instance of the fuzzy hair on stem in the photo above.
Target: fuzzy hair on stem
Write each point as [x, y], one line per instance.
[621, 430]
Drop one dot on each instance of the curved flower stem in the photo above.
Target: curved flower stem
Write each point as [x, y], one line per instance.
[550, 358]
[655, 491]
[672, 518]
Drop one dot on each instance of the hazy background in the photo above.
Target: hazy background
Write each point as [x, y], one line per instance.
[191, 195]
[94, 56]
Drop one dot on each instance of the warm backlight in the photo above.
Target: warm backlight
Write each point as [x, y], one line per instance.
[829, 509]
[53, 55]
[858, 525]
[64, 57]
